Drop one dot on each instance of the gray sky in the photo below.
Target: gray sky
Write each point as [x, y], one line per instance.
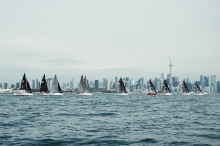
[108, 38]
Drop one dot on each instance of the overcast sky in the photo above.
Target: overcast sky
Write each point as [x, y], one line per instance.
[104, 39]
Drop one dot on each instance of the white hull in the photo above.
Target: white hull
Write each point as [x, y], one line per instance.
[198, 94]
[121, 94]
[23, 94]
[44, 94]
[166, 94]
[186, 94]
[87, 94]
[56, 94]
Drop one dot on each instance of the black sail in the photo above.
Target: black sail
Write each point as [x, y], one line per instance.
[184, 87]
[88, 87]
[28, 88]
[197, 88]
[43, 87]
[165, 86]
[152, 86]
[59, 89]
[121, 87]
[23, 83]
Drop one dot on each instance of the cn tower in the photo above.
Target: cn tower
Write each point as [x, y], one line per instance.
[171, 83]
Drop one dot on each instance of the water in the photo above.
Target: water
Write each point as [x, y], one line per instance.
[106, 119]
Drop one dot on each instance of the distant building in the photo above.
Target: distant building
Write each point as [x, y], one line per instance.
[107, 86]
[164, 76]
[218, 86]
[201, 81]
[33, 84]
[96, 84]
[12, 86]
[104, 83]
[17, 85]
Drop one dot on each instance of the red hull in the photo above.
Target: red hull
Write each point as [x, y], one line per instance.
[152, 93]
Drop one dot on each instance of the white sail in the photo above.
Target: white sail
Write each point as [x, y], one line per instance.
[54, 86]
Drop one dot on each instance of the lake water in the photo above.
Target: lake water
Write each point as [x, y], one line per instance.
[106, 119]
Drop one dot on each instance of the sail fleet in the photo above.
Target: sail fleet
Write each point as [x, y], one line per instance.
[84, 88]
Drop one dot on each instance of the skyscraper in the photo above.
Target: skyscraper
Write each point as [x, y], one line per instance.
[116, 79]
[163, 76]
[96, 84]
[171, 83]
[107, 85]
[33, 84]
[104, 83]
[201, 81]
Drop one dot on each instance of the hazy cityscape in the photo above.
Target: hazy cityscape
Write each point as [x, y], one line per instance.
[208, 84]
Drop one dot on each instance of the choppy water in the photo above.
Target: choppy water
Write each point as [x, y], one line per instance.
[106, 119]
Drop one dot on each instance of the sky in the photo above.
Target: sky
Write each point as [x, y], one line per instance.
[104, 39]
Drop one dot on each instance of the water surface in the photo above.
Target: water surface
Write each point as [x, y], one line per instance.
[106, 119]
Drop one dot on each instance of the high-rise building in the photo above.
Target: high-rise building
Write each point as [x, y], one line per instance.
[96, 84]
[36, 83]
[12, 86]
[201, 81]
[171, 83]
[17, 85]
[73, 84]
[164, 76]
[104, 83]
[116, 79]
[218, 86]
[107, 85]
[33, 84]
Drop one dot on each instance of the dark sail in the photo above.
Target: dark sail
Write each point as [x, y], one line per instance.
[23, 83]
[121, 86]
[152, 86]
[28, 88]
[184, 87]
[59, 89]
[197, 88]
[43, 87]
[165, 87]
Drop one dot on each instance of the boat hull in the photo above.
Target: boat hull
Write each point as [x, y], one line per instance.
[44, 94]
[186, 94]
[152, 93]
[198, 94]
[166, 94]
[56, 94]
[86, 94]
[23, 94]
[121, 94]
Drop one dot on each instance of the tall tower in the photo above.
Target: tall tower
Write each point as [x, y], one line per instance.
[171, 83]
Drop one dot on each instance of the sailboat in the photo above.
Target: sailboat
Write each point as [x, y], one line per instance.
[165, 89]
[55, 87]
[151, 89]
[84, 88]
[25, 89]
[121, 88]
[43, 88]
[185, 89]
[198, 91]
